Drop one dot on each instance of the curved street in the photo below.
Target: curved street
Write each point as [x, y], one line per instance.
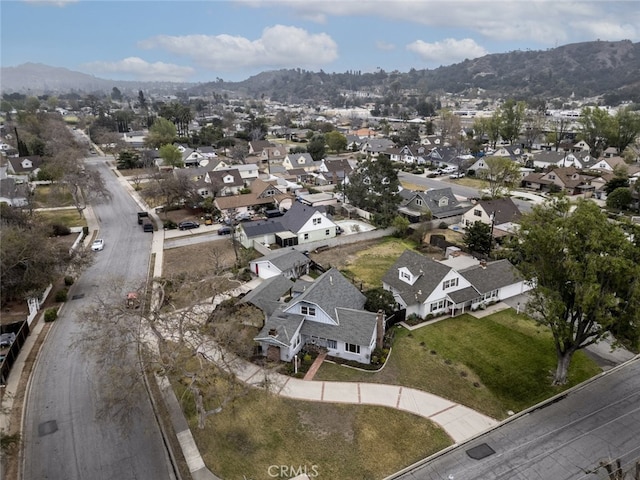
[64, 437]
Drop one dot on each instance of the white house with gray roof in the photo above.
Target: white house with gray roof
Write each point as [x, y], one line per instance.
[300, 224]
[329, 314]
[285, 261]
[424, 286]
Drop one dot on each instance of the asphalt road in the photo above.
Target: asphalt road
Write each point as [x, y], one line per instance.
[562, 441]
[64, 438]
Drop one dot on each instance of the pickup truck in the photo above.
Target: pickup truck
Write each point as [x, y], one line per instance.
[141, 216]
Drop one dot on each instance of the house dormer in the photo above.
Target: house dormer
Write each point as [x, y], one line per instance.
[443, 202]
[228, 179]
[406, 276]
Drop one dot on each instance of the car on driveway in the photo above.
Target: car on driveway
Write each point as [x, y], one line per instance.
[457, 175]
[6, 339]
[224, 231]
[97, 245]
[188, 225]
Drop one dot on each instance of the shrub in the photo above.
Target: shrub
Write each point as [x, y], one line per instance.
[59, 230]
[61, 295]
[68, 280]
[50, 314]
[443, 226]
[307, 359]
[170, 225]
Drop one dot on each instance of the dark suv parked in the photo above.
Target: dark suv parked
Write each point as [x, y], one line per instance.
[188, 225]
[224, 231]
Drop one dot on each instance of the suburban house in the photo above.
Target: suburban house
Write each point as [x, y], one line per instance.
[264, 195]
[568, 180]
[501, 214]
[256, 146]
[329, 314]
[288, 262]
[24, 168]
[436, 203]
[373, 147]
[224, 182]
[333, 172]
[561, 159]
[300, 160]
[409, 154]
[300, 224]
[191, 157]
[273, 155]
[424, 286]
[609, 164]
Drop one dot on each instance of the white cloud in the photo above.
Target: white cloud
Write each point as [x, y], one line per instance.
[384, 46]
[143, 70]
[55, 3]
[544, 21]
[447, 51]
[279, 46]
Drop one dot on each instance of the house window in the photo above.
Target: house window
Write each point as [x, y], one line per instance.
[450, 283]
[405, 276]
[438, 305]
[306, 236]
[310, 311]
[332, 344]
[317, 221]
[477, 212]
[419, 202]
[350, 347]
[443, 202]
[327, 232]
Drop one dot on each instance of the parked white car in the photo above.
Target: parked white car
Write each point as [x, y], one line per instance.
[97, 245]
[457, 175]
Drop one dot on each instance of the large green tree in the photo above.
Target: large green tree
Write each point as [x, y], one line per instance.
[586, 276]
[512, 115]
[596, 128]
[317, 147]
[478, 238]
[171, 156]
[374, 187]
[502, 175]
[336, 141]
[161, 132]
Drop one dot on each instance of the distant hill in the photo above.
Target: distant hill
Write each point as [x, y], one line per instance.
[38, 79]
[590, 69]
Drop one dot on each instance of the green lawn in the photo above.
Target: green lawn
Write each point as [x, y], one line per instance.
[495, 364]
[371, 264]
[335, 441]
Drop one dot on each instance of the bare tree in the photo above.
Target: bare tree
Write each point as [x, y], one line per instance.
[176, 343]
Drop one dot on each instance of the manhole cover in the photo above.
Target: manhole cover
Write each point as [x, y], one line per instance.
[45, 428]
[480, 452]
[78, 296]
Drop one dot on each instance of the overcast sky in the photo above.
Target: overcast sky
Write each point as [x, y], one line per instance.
[234, 39]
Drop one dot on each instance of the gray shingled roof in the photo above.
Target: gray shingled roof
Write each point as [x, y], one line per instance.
[495, 275]
[464, 295]
[283, 324]
[356, 327]
[286, 258]
[430, 274]
[330, 291]
[266, 296]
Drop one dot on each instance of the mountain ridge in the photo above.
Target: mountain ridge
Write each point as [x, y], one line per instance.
[582, 70]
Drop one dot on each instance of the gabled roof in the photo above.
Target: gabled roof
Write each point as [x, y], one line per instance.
[280, 328]
[331, 291]
[285, 259]
[355, 327]
[492, 276]
[441, 202]
[16, 163]
[503, 209]
[266, 296]
[217, 178]
[429, 272]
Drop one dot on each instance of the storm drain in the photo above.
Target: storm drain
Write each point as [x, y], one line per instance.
[480, 452]
[78, 296]
[45, 428]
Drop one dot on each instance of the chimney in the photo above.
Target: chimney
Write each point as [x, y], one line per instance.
[273, 332]
[380, 322]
